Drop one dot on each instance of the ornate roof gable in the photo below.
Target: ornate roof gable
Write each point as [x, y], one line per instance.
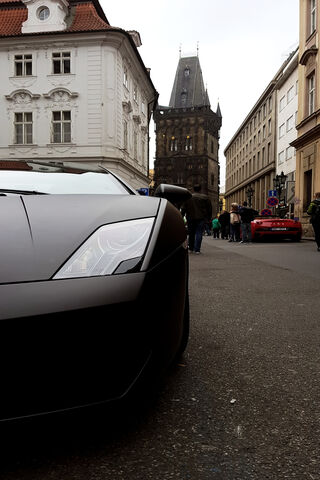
[45, 16]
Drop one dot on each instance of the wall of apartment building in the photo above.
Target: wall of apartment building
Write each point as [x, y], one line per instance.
[94, 91]
[250, 156]
[307, 143]
[287, 106]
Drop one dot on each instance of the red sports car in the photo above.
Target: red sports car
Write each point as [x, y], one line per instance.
[276, 227]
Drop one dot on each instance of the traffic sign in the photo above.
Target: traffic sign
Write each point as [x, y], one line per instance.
[143, 191]
[272, 193]
[266, 212]
[272, 201]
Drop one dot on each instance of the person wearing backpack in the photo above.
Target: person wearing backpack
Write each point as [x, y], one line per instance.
[314, 211]
[216, 227]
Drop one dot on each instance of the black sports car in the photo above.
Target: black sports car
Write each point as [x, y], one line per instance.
[93, 286]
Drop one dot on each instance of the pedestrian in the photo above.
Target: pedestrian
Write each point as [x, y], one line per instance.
[247, 214]
[235, 220]
[198, 211]
[314, 211]
[224, 219]
[207, 229]
[216, 227]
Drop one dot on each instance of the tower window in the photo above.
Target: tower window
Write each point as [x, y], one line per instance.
[173, 144]
[187, 72]
[184, 98]
[188, 143]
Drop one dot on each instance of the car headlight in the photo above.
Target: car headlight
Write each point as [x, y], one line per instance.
[107, 248]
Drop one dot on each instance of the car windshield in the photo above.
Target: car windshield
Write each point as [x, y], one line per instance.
[29, 178]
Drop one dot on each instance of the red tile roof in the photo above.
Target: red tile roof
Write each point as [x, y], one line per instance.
[11, 21]
[86, 18]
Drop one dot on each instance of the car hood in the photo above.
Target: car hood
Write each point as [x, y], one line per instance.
[39, 232]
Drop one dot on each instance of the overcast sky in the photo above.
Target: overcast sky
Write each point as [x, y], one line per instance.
[242, 44]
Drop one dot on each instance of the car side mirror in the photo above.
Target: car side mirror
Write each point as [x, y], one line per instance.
[175, 195]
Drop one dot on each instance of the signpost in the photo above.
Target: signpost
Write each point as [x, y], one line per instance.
[143, 191]
[272, 193]
[266, 212]
[272, 201]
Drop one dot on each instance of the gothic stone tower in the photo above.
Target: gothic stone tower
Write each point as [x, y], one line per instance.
[187, 134]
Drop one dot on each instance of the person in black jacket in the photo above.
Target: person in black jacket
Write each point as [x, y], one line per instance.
[247, 214]
[314, 211]
[224, 219]
[198, 211]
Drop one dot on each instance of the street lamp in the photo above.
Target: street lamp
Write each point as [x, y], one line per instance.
[249, 193]
[279, 184]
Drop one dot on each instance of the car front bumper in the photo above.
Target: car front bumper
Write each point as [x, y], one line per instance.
[70, 343]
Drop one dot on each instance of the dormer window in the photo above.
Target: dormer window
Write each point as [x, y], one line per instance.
[43, 13]
[45, 16]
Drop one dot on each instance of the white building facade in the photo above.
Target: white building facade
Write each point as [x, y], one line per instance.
[287, 107]
[73, 89]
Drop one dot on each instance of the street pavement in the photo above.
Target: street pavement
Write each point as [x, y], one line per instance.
[242, 403]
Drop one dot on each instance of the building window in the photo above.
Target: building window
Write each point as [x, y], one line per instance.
[135, 145]
[125, 135]
[61, 127]
[125, 77]
[269, 127]
[290, 94]
[281, 157]
[173, 144]
[184, 97]
[312, 16]
[188, 144]
[289, 153]
[61, 62]
[143, 107]
[311, 93]
[264, 111]
[143, 152]
[281, 130]
[43, 13]
[22, 65]
[282, 102]
[135, 93]
[290, 123]
[23, 128]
